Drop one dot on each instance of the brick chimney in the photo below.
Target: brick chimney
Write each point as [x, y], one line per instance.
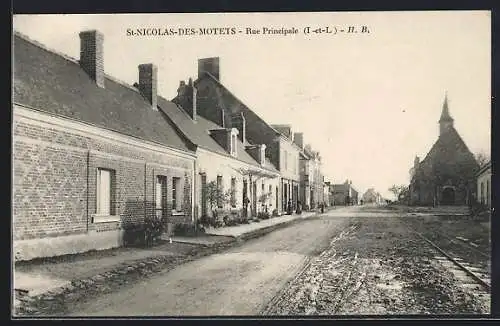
[148, 83]
[238, 122]
[92, 55]
[298, 139]
[210, 65]
[186, 98]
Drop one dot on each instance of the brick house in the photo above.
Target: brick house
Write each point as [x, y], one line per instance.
[217, 104]
[92, 156]
[344, 193]
[447, 174]
[224, 154]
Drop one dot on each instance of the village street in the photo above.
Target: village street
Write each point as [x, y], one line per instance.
[355, 260]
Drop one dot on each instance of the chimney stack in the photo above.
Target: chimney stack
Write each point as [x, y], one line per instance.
[238, 122]
[186, 98]
[148, 83]
[210, 65]
[92, 55]
[298, 139]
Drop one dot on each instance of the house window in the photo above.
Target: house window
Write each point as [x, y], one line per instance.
[285, 157]
[270, 195]
[105, 192]
[219, 191]
[233, 192]
[176, 194]
[233, 144]
[161, 196]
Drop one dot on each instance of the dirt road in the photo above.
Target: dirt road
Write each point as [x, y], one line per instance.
[355, 260]
[239, 281]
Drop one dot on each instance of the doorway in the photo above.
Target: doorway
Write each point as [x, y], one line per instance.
[203, 194]
[448, 196]
[277, 198]
[245, 198]
[254, 199]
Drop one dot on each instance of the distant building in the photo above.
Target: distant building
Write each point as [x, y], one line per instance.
[447, 174]
[311, 178]
[344, 194]
[372, 196]
[484, 185]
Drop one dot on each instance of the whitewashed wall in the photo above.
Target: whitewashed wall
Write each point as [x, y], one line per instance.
[213, 164]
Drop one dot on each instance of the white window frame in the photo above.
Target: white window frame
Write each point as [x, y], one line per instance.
[101, 216]
[177, 184]
[234, 143]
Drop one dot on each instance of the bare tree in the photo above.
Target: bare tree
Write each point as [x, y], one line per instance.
[482, 158]
[399, 190]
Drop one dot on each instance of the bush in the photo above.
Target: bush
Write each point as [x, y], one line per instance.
[206, 221]
[145, 234]
[186, 229]
[153, 229]
[275, 212]
[263, 215]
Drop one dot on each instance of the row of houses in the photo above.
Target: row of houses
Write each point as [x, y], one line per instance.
[94, 156]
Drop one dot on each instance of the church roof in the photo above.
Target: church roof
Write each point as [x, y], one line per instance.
[449, 148]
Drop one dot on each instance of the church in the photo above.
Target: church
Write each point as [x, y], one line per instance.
[446, 175]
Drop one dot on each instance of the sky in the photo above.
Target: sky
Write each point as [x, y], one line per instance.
[368, 102]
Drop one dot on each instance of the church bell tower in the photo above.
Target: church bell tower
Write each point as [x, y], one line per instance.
[446, 121]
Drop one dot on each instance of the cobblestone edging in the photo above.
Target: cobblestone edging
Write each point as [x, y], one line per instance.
[55, 302]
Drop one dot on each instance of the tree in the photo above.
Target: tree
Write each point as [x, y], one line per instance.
[214, 196]
[482, 158]
[399, 191]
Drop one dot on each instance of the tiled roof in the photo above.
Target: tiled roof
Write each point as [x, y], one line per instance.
[53, 83]
[257, 130]
[198, 132]
[251, 117]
